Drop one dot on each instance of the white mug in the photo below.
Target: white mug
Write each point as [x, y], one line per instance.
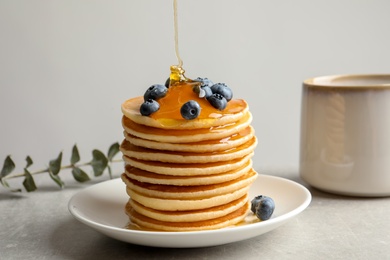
[345, 134]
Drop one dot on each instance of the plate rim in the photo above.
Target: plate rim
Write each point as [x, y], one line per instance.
[106, 229]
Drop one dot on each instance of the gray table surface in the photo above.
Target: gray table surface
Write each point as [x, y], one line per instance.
[38, 225]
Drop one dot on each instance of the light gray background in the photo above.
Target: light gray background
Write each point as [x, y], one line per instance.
[66, 66]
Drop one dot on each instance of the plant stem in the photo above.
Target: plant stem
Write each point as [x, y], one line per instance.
[69, 166]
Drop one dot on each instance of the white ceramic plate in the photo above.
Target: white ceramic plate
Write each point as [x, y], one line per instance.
[101, 207]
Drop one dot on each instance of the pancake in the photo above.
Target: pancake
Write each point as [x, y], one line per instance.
[189, 192]
[187, 174]
[130, 108]
[216, 223]
[187, 169]
[185, 204]
[146, 154]
[188, 216]
[186, 135]
[225, 143]
[154, 178]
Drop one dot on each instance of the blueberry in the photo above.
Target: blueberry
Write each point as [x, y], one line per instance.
[167, 82]
[223, 89]
[149, 106]
[203, 92]
[218, 101]
[208, 91]
[263, 207]
[155, 92]
[190, 110]
[204, 82]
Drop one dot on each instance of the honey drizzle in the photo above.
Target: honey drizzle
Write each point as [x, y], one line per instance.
[181, 90]
[177, 71]
[176, 34]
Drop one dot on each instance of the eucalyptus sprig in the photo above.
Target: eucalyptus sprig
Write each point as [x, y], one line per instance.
[99, 163]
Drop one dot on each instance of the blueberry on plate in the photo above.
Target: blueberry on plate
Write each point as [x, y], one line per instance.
[149, 107]
[204, 82]
[218, 101]
[223, 89]
[190, 110]
[263, 207]
[155, 92]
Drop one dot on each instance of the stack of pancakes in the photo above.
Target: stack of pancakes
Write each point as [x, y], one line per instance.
[186, 175]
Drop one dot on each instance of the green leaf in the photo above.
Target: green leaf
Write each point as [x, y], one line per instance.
[109, 171]
[75, 155]
[55, 165]
[112, 151]
[28, 182]
[56, 179]
[8, 167]
[29, 161]
[80, 175]
[5, 184]
[99, 162]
